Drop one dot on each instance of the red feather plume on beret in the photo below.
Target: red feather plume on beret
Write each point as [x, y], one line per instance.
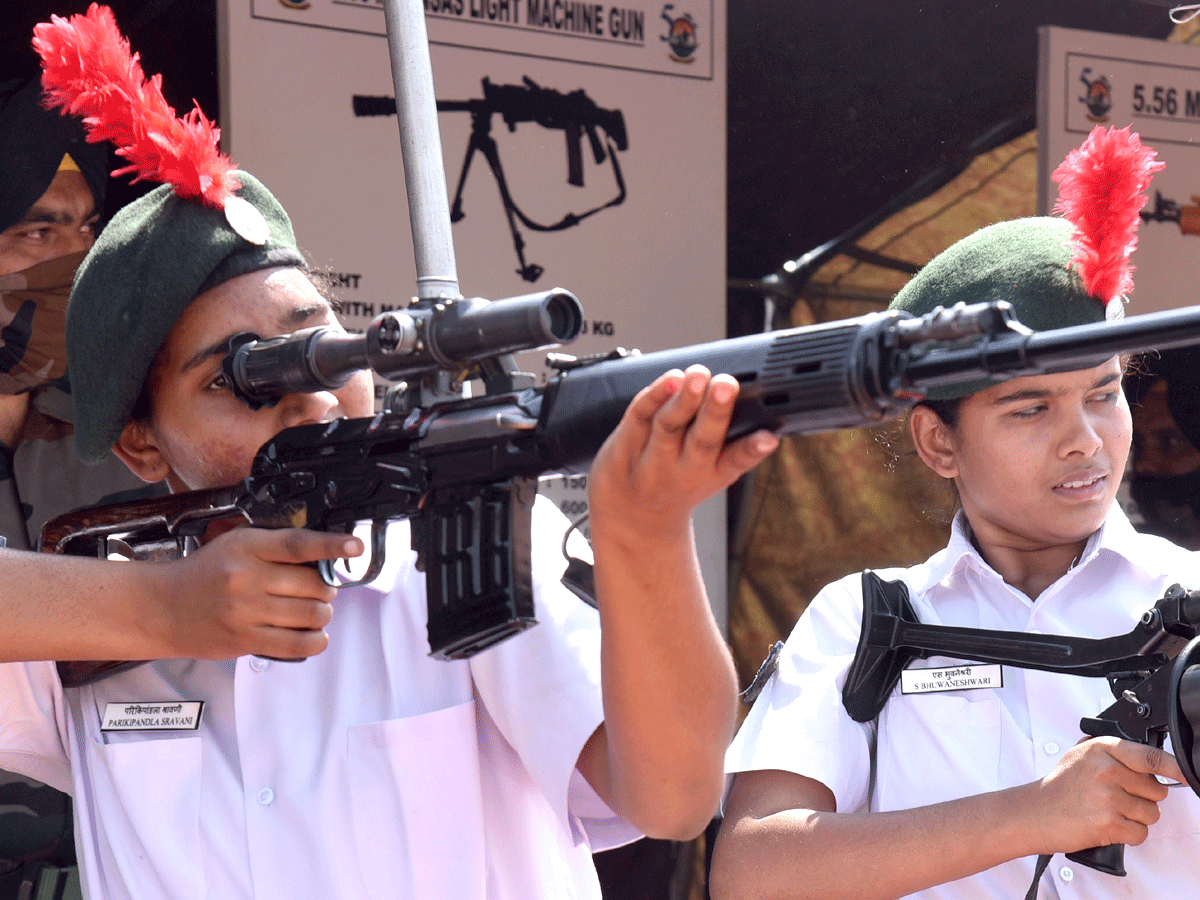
[1102, 188]
[88, 70]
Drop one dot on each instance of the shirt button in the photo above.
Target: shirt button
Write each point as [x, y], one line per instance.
[266, 796]
[1051, 747]
[1066, 873]
[258, 664]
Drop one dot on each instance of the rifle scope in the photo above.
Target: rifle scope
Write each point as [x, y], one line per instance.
[453, 335]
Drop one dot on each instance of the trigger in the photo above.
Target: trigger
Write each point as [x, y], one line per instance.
[378, 557]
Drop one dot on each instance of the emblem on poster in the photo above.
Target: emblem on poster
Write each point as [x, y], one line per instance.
[1098, 98]
[681, 35]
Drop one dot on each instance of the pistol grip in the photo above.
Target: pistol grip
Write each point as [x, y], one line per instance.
[1110, 860]
[574, 154]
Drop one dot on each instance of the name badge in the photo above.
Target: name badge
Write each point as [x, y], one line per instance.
[175, 716]
[953, 678]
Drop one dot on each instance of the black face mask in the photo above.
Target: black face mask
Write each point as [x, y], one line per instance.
[1170, 505]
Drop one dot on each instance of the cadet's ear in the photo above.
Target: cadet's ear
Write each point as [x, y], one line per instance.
[934, 441]
[136, 448]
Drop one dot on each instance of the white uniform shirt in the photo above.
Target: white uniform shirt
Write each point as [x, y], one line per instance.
[370, 770]
[940, 746]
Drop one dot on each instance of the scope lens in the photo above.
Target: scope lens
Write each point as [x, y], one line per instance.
[565, 321]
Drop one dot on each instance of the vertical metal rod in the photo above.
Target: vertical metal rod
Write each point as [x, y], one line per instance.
[421, 146]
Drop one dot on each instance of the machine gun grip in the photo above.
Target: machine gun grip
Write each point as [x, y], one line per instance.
[574, 134]
[1110, 859]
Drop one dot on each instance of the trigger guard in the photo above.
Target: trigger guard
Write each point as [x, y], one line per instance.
[378, 558]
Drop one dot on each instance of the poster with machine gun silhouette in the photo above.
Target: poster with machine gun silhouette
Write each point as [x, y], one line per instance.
[584, 148]
[1088, 79]
[575, 114]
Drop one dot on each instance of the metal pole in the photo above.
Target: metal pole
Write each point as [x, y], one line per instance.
[421, 146]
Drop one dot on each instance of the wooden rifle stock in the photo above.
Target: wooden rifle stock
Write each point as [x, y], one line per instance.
[153, 530]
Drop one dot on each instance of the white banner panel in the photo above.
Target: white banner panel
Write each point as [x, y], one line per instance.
[584, 145]
[1088, 79]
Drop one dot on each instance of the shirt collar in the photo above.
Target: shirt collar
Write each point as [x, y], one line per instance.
[959, 553]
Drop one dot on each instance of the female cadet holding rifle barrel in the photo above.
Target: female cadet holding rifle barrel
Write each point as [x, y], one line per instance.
[954, 791]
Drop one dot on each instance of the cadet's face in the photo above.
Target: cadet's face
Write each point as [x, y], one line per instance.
[206, 436]
[62, 221]
[1038, 460]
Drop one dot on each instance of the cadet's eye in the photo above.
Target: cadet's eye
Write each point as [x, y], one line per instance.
[1028, 412]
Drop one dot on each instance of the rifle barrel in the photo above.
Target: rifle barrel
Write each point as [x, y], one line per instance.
[1060, 350]
[843, 374]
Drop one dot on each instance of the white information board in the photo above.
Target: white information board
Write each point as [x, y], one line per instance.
[1088, 79]
[603, 124]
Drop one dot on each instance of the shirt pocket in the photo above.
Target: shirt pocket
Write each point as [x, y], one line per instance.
[416, 804]
[146, 796]
[937, 746]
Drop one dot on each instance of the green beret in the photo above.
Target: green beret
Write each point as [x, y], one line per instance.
[33, 141]
[1024, 261]
[151, 260]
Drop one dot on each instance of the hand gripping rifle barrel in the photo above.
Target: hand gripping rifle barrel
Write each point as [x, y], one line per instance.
[801, 380]
[848, 373]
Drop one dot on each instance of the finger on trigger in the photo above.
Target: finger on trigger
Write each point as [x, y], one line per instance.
[1162, 764]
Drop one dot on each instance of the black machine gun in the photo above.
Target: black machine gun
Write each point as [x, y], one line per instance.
[574, 113]
[464, 470]
[1153, 671]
